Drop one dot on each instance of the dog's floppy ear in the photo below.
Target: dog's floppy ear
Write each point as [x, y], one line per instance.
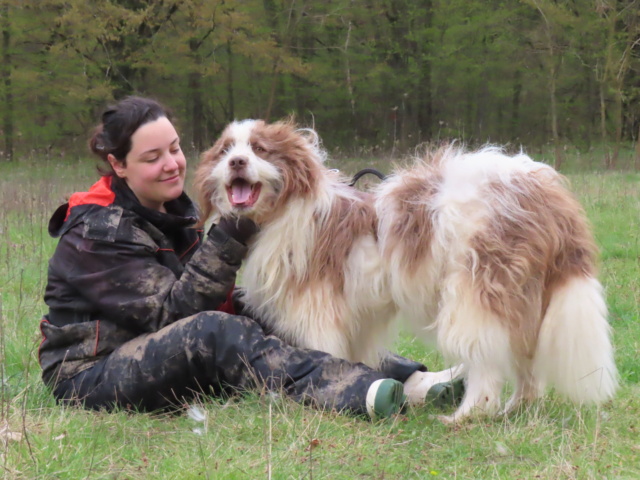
[203, 186]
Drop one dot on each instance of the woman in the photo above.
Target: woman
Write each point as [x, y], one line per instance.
[140, 307]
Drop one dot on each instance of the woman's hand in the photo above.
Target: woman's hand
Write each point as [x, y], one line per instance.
[238, 228]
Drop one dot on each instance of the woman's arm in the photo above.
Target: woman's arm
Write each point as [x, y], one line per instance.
[124, 282]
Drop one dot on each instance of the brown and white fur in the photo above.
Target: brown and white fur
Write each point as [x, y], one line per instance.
[314, 272]
[488, 255]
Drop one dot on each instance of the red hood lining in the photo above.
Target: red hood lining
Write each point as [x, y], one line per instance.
[100, 193]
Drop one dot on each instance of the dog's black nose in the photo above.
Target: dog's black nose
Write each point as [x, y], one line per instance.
[237, 163]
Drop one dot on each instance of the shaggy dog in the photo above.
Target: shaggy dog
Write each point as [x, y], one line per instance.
[486, 254]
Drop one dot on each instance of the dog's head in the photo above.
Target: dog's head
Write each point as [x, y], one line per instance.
[254, 168]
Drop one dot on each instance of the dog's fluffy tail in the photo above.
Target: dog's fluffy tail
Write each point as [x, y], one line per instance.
[574, 352]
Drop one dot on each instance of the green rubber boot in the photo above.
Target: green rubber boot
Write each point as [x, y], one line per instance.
[385, 397]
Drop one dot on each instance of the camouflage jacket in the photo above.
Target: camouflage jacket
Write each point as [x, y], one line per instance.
[121, 270]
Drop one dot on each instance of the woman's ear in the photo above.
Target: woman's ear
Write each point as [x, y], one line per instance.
[117, 166]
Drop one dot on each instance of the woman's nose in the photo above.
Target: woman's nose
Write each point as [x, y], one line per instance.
[171, 163]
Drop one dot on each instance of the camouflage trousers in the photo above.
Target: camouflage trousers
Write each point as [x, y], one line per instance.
[214, 352]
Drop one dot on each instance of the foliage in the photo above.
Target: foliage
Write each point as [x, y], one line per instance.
[368, 73]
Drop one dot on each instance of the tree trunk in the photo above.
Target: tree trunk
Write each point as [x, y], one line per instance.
[197, 112]
[618, 119]
[637, 160]
[7, 112]
[553, 77]
[272, 90]
[195, 98]
[271, 11]
[515, 106]
[231, 114]
[347, 67]
[554, 119]
[592, 109]
[425, 98]
[603, 125]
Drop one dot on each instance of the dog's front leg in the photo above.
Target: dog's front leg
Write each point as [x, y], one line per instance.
[482, 395]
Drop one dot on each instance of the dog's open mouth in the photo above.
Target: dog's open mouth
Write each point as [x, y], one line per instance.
[243, 194]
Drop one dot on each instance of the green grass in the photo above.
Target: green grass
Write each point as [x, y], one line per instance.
[264, 437]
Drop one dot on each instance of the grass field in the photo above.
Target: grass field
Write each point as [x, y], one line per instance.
[264, 437]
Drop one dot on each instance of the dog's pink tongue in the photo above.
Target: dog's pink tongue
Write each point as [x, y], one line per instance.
[240, 192]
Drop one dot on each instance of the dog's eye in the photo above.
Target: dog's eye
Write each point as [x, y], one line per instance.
[258, 149]
[226, 148]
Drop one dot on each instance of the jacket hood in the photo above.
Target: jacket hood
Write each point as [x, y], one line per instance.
[99, 195]
[111, 191]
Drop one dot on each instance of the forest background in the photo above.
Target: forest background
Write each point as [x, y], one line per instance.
[369, 75]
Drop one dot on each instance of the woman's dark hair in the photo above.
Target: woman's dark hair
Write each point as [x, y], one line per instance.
[119, 123]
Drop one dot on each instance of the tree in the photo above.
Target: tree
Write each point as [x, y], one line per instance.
[385, 74]
[556, 20]
[5, 74]
[619, 23]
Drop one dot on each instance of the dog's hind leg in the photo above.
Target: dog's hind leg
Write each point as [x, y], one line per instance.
[469, 333]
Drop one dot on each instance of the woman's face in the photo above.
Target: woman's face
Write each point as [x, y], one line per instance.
[155, 166]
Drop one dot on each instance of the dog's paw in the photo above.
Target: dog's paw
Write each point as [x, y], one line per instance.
[447, 419]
